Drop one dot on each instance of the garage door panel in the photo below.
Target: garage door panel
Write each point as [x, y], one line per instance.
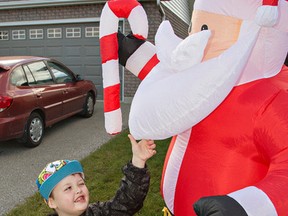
[77, 69]
[96, 80]
[37, 51]
[73, 61]
[55, 42]
[19, 51]
[72, 51]
[92, 50]
[54, 51]
[100, 92]
[91, 70]
[92, 60]
[4, 51]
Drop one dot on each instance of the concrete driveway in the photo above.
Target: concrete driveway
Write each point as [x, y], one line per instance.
[73, 138]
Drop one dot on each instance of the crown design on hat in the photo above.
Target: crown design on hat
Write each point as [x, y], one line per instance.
[50, 169]
[54, 172]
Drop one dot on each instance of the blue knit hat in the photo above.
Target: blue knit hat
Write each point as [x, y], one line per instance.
[54, 172]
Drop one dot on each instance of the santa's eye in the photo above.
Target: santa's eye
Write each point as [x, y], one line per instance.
[204, 27]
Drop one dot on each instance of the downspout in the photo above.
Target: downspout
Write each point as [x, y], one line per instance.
[161, 10]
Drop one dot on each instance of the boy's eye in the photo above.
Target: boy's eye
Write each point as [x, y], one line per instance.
[67, 188]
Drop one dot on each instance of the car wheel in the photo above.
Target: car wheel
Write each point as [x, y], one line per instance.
[34, 130]
[88, 109]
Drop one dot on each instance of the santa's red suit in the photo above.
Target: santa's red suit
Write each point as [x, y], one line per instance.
[243, 142]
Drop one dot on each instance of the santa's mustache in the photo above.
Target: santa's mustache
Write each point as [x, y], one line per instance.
[181, 90]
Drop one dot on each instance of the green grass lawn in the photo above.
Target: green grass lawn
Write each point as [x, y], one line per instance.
[103, 174]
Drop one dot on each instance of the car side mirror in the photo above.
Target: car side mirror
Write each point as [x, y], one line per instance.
[78, 77]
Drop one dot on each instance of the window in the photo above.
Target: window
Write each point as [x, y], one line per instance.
[41, 73]
[30, 78]
[73, 32]
[92, 32]
[60, 73]
[54, 33]
[19, 34]
[18, 78]
[4, 35]
[36, 34]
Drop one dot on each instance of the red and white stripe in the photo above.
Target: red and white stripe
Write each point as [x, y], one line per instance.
[137, 18]
[172, 167]
[143, 60]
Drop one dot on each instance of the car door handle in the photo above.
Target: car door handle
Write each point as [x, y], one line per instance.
[65, 91]
[38, 94]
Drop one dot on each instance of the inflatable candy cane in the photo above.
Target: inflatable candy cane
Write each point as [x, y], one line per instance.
[137, 18]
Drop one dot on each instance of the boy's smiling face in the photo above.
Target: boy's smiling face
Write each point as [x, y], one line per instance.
[70, 196]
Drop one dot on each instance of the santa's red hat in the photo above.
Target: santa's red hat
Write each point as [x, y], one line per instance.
[270, 2]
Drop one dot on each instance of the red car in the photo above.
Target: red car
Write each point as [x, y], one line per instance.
[36, 92]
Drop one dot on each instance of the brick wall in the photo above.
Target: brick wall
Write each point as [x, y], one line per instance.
[51, 13]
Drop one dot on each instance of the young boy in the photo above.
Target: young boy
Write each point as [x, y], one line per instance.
[61, 183]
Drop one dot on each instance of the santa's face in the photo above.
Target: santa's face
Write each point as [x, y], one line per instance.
[228, 19]
[224, 31]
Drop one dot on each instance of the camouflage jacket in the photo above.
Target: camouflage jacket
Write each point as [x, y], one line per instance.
[129, 197]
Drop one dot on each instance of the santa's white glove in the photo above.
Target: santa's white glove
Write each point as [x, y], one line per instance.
[267, 16]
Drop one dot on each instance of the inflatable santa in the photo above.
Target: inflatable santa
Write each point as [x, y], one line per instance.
[222, 94]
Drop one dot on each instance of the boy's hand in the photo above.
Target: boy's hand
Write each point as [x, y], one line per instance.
[142, 151]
